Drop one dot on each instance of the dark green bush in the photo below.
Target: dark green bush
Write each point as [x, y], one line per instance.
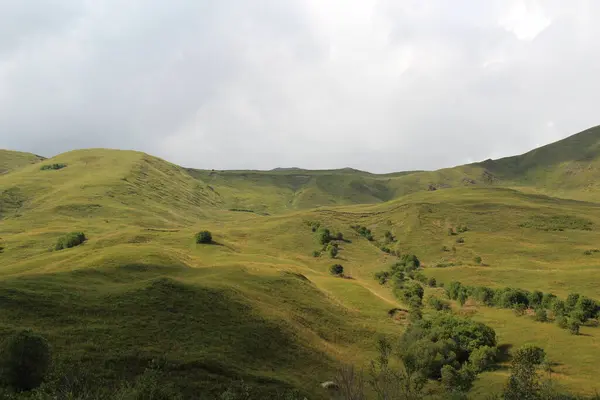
[364, 232]
[204, 237]
[25, 360]
[70, 240]
[52, 167]
[324, 236]
[477, 260]
[432, 282]
[336, 269]
[438, 304]
[332, 251]
[316, 253]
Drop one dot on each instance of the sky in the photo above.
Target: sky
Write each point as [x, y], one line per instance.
[377, 85]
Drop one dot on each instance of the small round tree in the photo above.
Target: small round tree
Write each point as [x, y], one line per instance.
[204, 237]
[25, 360]
[336, 269]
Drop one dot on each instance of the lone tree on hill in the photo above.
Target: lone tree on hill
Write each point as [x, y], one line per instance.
[336, 269]
[204, 237]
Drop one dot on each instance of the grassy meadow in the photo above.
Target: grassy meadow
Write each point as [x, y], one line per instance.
[256, 304]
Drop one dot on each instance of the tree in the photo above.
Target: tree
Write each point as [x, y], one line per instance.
[587, 307]
[559, 308]
[323, 236]
[25, 360]
[482, 358]
[573, 326]
[336, 269]
[204, 237]
[535, 298]
[523, 383]
[458, 380]
[572, 300]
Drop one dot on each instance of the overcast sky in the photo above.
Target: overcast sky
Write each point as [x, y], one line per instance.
[379, 85]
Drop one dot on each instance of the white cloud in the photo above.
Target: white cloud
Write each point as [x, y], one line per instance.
[380, 85]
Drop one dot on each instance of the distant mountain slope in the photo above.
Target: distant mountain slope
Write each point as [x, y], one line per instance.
[11, 160]
[567, 168]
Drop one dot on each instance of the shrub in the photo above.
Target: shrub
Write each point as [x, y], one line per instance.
[520, 309]
[460, 240]
[482, 358]
[573, 326]
[438, 304]
[336, 269]
[572, 300]
[204, 237]
[477, 260]
[432, 282]
[339, 236]
[541, 315]
[52, 166]
[25, 360]
[562, 321]
[70, 240]
[333, 251]
[382, 277]
[324, 236]
[364, 232]
[389, 237]
[316, 253]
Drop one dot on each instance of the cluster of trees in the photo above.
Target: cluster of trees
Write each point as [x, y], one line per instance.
[326, 239]
[364, 232]
[69, 240]
[446, 349]
[52, 166]
[568, 314]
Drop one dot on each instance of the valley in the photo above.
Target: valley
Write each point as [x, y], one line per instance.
[256, 304]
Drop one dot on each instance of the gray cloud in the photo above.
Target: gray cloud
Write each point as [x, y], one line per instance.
[379, 85]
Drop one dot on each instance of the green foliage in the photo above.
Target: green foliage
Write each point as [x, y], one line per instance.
[52, 166]
[324, 236]
[477, 260]
[460, 240]
[332, 251]
[523, 382]
[316, 253]
[438, 304]
[204, 237]
[70, 240]
[443, 340]
[590, 252]
[389, 237]
[482, 358]
[519, 309]
[458, 380]
[572, 300]
[336, 269]
[562, 321]
[461, 228]
[541, 315]
[25, 360]
[573, 326]
[364, 232]
[431, 282]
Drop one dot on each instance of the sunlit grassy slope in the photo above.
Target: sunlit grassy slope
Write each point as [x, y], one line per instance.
[11, 160]
[256, 305]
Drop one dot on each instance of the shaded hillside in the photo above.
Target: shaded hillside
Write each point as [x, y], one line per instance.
[289, 189]
[12, 160]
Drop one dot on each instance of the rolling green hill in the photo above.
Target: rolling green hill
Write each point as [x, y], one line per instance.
[11, 160]
[256, 304]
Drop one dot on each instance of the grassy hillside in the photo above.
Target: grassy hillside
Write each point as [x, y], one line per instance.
[256, 305]
[11, 160]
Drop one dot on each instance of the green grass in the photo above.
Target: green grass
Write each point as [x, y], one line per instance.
[13, 160]
[256, 305]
